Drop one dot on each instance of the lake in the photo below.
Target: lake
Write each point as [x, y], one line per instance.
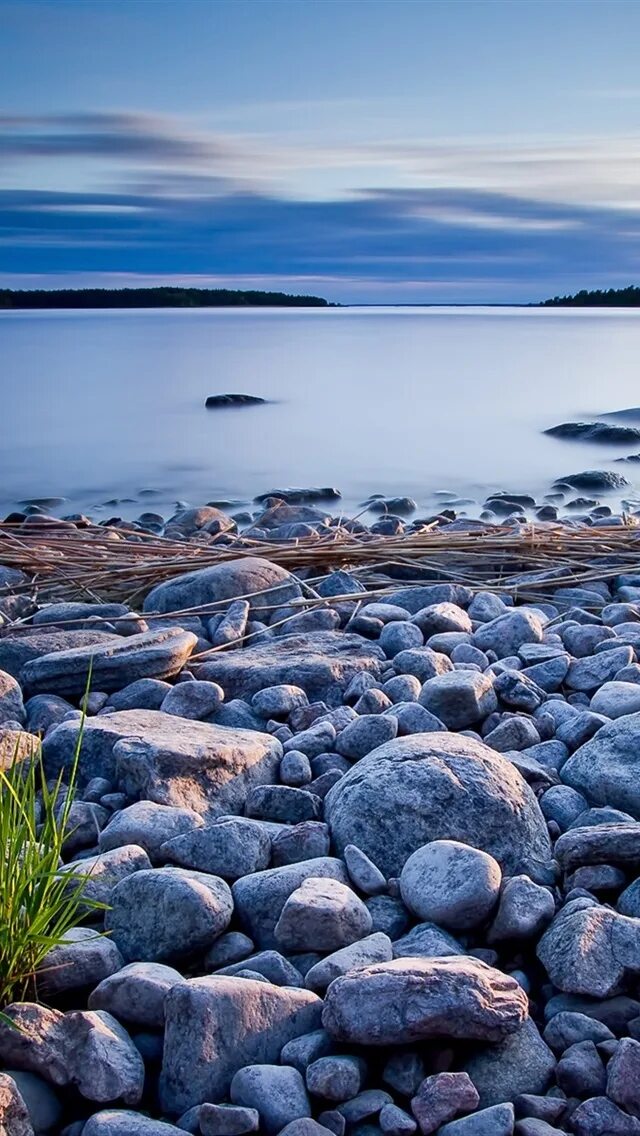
[103, 405]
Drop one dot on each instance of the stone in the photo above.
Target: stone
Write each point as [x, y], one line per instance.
[441, 1097]
[226, 1120]
[590, 950]
[17, 650]
[507, 633]
[167, 913]
[154, 654]
[550, 674]
[306, 841]
[436, 786]
[271, 965]
[304, 1050]
[11, 704]
[44, 711]
[365, 734]
[98, 875]
[425, 940]
[520, 1063]
[599, 844]
[459, 698]
[594, 671]
[404, 1071]
[449, 883]
[283, 804]
[322, 914]
[36, 1042]
[195, 700]
[516, 733]
[321, 663]
[606, 769]
[410, 1000]
[167, 760]
[563, 805]
[498, 1120]
[122, 1122]
[614, 699]
[412, 718]
[260, 898]
[335, 1078]
[295, 769]
[395, 1121]
[43, 1105]
[422, 663]
[277, 1092]
[148, 826]
[82, 958]
[229, 848]
[14, 1115]
[363, 873]
[136, 993]
[388, 914]
[217, 1026]
[265, 584]
[16, 745]
[397, 637]
[371, 949]
[104, 1063]
[439, 617]
[601, 1117]
[144, 694]
[580, 1071]
[623, 1076]
[368, 1103]
[524, 910]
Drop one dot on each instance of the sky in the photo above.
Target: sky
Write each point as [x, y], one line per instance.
[375, 151]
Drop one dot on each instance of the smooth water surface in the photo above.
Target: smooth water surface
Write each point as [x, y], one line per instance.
[100, 405]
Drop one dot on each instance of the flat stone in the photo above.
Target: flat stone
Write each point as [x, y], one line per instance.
[17, 650]
[112, 665]
[171, 761]
[498, 1120]
[122, 1122]
[321, 663]
[410, 1000]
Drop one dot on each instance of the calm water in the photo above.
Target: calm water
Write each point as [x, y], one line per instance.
[100, 405]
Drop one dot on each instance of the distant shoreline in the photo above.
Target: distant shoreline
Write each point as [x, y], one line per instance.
[162, 297]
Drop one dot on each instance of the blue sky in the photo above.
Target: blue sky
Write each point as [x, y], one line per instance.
[374, 150]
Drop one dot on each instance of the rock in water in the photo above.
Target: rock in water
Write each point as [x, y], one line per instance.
[595, 432]
[168, 760]
[437, 787]
[217, 400]
[265, 585]
[407, 1000]
[322, 663]
[215, 1026]
[112, 665]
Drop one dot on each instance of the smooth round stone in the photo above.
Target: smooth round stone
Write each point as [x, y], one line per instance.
[451, 884]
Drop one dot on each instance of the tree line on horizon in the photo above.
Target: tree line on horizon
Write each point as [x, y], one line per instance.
[160, 297]
[611, 298]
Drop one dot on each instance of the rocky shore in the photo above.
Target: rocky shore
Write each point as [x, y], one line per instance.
[370, 866]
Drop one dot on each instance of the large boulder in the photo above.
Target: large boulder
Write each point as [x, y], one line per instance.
[169, 760]
[607, 768]
[413, 999]
[109, 666]
[215, 1026]
[321, 663]
[265, 585]
[437, 786]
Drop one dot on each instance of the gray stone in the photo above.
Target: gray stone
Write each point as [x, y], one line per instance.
[306, 841]
[507, 633]
[459, 698]
[17, 650]
[580, 1071]
[409, 1000]
[154, 654]
[43, 1106]
[439, 617]
[226, 1120]
[136, 993]
[365, 734]
[144, 694]
[263, 583]
[498, 1120]
[372, 949]
[104, 1064]
[321, 663]
[412, 718]
[36, 1042]
[422, 663]
[607, 768]
[271, 965]
[623, 1076]
[195, 700]
[171, 761]
[304, 1050]
[395, 1121]
[592, 672]
[122, 1122]
[282, 803]
[167, 913]
[449, 883]
[524, 910]
[82, 958]
[322, 914]
[367, 1104]
[601, 1117]
[11, 704]
[425, 940]
[230, 848]
[416, 597]
[278, 701]
[441, 1097]
[397, 637]
[520, 1063]
[216, 1026]
[614, 699]
[277, 1092]
[562, 804]
[44, 711]
[388, 914]
[364, 874]
[436, 786]
[514, 733]
[98, 875]
[295, 769]
[335, 1078]
[550, 674]
[14, 1115]
[590, 950]
[147, 825]
[599, 844]
[260, 898]
[305, 1126]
